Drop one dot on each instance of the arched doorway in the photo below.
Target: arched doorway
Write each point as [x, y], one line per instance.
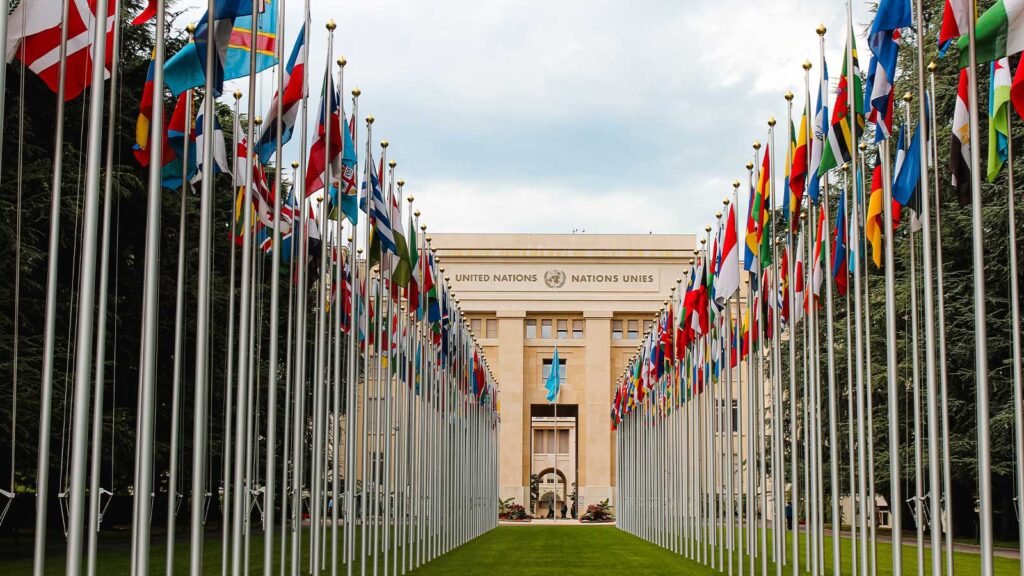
[552, 492]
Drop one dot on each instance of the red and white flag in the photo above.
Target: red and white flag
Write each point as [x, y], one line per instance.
[34, 32]
[729, 273]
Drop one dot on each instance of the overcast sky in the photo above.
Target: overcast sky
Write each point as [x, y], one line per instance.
[548, 116]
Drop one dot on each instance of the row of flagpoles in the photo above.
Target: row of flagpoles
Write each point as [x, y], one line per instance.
[388, 454]
[764, 362]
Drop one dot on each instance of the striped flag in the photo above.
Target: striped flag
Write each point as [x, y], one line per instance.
[295, 88]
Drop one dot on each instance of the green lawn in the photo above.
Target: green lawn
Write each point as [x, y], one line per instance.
[515, 550]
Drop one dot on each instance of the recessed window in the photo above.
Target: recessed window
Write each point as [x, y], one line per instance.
[616, 329]
[634, 329]
[563, 329]
[492, 328]
[648, 324]
[545, 328]
[577, 329]
[546, 370]
[474, 325]
[531, 328]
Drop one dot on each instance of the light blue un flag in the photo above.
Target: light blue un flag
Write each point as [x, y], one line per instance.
[554, 378]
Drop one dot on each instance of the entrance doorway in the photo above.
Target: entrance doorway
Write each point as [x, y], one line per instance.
[553, 460]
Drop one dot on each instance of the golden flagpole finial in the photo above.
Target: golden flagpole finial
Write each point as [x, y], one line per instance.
[932, 66]
[789, 96]
[807, 65]
[356, 92]
[757, 144]
[331, 25]
[191, 28]
[735, 184]
[384, 144]
[821, 29]
[392, 163]
[342, 62]
[369, 119]
[238, 94]
[771, 121]
[907, 97]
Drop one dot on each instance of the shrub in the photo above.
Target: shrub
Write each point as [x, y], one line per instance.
[601, 512]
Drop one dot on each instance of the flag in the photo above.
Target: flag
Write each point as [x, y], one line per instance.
[181, 134]
[231, 36]
[764, 204]
[960, 144]
[820, 136]
[220, 157]
[295, 89]
[955, 14]
[890, 17]
[142, 125]
[789, 204]
[750, 244]
[798, 279]
[999, 32]
[839, 247]
[329, 124]
[998, 127]
[729, 271]
[34, 34]
[401, 266]
[818, 270]
[839, 146]
[798, 172]
[147, 13]
[379, 212]
[873, 222]
[908, 171]
[1017, 90]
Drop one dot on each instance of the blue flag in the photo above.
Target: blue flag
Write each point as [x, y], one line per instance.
[231, 36]
[554, 383]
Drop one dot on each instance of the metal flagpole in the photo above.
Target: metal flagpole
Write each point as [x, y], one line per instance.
[273, 377]
[179, 320]
[944, 397]
[229, 349]
[104, 278]
[86, 293]
[200, 399]
[364, 495]
[1018, 394]
[916, 374]
[980, 332]
[49, 329]
[895, 492]
[794, 210]
[830, 351]
[289, 354]
[240, 475]
[848, 184]
[353, 407]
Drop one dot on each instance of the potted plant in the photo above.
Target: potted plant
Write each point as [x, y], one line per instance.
[508, 510]
[599, 513]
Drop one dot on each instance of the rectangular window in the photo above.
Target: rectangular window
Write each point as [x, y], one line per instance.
[474, 325]
[563, 329]
[492, 328]
[616, 329]
[563, 441]
[577, 329]
[545, 328]
[634, 330]
[546, 370]
[735, 417]
[531, 329]
[648, 324]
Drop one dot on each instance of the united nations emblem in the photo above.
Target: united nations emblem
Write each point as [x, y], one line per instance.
[554, 278]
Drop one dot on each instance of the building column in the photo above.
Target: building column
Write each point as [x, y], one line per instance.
[513, 414]
[596, 440]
